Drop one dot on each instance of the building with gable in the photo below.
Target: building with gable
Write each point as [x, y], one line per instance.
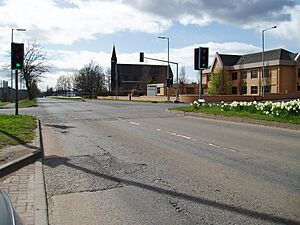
[282, 72]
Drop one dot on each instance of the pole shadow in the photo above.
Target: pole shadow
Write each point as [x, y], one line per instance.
[19, 140]
[54, 161]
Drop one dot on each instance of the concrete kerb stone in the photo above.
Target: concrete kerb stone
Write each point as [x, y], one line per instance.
[40, 200]
[237, 119]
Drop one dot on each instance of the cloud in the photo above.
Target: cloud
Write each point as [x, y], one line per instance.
[289, 30]
[242, 13]
[70, 21]
[67, 21]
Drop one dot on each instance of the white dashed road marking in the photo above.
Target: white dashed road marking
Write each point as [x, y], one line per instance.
[134, 123]
[193, 139]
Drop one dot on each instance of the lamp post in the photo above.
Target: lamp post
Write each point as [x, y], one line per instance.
[12, 40]
[263, 60]
[168, 78]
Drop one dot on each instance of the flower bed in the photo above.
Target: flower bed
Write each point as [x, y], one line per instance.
[274, 109]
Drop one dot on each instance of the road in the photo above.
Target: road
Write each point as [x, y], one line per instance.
[111, 162]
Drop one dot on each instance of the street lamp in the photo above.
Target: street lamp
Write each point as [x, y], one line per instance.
[12, 40]
[263, 60]
[168, 78]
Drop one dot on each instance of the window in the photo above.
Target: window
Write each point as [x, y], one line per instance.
[253, 89]
[298, 87]
[158, 91]
[267, 73]
[298, 72]
[234, 90]
[234, 76]
[244, 90]
[244, 74]
[254, 74]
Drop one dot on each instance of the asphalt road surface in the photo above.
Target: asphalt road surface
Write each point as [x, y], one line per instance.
[119, 163]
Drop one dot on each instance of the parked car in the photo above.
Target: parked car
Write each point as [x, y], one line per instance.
[8, 215]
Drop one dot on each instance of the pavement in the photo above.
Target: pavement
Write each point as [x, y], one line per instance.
[22, 179]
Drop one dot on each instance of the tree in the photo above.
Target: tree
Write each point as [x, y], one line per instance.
[90, 79]
[108, 79]
[218, 85]
[64, 83]
[35, 65]
[183, 80]
[49, 91]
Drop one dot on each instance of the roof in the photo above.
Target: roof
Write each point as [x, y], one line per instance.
[276, 54]
[142, 69]
[114, 55]
[229, 60]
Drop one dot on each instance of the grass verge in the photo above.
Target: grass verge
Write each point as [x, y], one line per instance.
[68, 98]
[28, 103]
[245, 114]
[3, 103]
[16, 130]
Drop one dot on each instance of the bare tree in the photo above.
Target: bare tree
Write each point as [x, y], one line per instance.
[35, 65]
[108, 79]
[183, 80]
[64, 83]
[90, 79]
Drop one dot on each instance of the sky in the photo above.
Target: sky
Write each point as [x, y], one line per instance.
[74, 32]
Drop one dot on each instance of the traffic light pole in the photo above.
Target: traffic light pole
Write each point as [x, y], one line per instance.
[200, 84]
[170, 62]
[17, 97]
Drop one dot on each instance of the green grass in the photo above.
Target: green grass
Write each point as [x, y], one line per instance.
[3, 103]
[28, 103]
[15, 130]
[245, 114]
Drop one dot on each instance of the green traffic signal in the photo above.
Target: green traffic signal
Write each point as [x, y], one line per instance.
[17, 56]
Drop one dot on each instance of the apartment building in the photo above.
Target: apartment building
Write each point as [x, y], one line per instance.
[281, 72]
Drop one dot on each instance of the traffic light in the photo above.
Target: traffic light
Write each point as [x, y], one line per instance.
[203, 58]
[141, 56]
[200, 58]
[17, 56]
[170, 79]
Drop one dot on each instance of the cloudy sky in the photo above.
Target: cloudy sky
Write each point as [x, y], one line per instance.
[73, 32]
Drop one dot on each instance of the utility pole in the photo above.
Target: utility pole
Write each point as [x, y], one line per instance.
[262, 85]
[168, 75]
[17, 95]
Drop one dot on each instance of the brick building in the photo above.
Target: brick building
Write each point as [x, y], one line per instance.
[282, 72]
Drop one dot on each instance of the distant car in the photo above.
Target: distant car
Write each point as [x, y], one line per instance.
[8, 215]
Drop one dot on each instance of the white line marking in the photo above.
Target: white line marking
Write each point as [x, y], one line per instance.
[134, 123]
[192, 139]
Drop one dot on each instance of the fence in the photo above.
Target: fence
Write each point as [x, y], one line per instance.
[231, 98]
